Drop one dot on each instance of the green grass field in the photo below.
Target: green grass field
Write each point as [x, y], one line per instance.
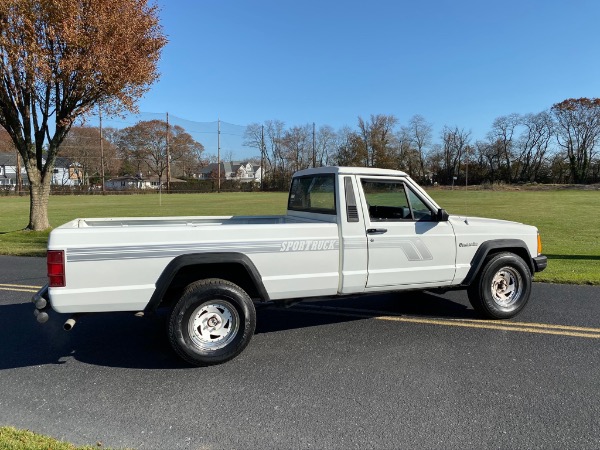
[13, 439]
[568, 220]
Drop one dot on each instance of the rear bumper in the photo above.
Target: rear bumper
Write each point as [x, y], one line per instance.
[540, 263]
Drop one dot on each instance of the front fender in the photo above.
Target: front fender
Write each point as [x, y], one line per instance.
[516, 246]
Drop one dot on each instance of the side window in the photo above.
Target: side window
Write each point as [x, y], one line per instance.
[386, 199]
[420, 210]
[314, 194]
[392, 200]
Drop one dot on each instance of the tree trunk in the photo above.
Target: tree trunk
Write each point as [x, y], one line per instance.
[38, 213]
[39, 193]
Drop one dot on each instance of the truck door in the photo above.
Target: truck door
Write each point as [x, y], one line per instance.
[407, 245]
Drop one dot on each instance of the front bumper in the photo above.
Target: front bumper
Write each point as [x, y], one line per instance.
[540, 263]
[42, 304]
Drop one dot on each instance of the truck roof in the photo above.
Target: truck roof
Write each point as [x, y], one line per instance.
[351, 171]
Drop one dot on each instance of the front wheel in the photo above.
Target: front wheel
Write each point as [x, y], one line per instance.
[212, 322]
[502, 288]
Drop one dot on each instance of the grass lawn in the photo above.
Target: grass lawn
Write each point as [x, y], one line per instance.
[568, 220]
[13, 439]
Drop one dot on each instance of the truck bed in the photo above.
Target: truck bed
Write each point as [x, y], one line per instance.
[296, 256]
[193, 221]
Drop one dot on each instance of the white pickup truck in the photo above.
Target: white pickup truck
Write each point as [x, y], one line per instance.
[346, 231]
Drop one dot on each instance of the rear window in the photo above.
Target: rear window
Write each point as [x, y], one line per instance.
[313, 193]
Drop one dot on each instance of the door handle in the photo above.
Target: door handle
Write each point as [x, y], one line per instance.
[376, 230]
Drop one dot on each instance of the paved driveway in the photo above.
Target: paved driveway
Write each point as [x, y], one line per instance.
[388, 371]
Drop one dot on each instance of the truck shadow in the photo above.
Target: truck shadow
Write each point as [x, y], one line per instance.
[314, 313]
[575, 257]
[123, 340]
[114, 340]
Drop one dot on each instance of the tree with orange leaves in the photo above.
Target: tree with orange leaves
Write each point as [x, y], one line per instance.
[58, 59]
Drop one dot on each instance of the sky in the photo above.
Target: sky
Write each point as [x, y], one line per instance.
[455, 62]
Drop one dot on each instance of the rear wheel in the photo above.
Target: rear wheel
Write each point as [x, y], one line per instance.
[502, 288]
[212, 322]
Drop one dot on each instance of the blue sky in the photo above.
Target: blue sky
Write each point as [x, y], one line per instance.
[460, 63]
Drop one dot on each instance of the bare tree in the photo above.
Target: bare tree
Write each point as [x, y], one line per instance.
[577, 130]
[276, 175]
[490, 159]
[326, 140]
[378, 139]
[82, 146]
[409, 159]
[296, 143]
[350, 149]
[533, 145]
[57, 60]
[254, 138]
[420, 132]
[455, 141]
[147, 142]
[502, 132]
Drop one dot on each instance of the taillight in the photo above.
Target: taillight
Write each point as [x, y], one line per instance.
[56, 268]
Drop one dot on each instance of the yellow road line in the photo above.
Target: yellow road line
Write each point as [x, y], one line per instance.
[541, 325]
[17, 290]
[19, 286]
[494, 326]
[524, 327]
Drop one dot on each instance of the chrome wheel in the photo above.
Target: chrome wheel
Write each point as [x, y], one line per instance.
[502, 288]
[507, 286]
[212, 322]
[213, 325]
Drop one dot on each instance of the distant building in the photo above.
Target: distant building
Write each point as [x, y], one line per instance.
[65, 172]
[68, 173]
[244, 172]
[8, 171]
[123, 183]
[138, 182]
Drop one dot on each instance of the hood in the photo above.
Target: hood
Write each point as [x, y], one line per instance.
[494, 228]
[481, 221]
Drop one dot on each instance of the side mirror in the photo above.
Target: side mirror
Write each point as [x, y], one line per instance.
[442, 215]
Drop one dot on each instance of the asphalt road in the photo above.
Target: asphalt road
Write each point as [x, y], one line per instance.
[389, 371]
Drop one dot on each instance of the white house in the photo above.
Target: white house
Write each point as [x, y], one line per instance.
[67, 173]
[244, 172]
[138, 182]
[124, 183]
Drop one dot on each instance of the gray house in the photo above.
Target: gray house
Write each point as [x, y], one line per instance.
[65, 172]
[8, 171]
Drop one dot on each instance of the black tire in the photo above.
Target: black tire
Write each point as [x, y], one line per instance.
[502, 287]
[212, 322]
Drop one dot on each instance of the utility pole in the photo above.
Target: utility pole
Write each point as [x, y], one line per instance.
[19, 180]
[314, 153]
[262, 158]
[219, 154]
[101, 151]
[168, 158]
[467, 168]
